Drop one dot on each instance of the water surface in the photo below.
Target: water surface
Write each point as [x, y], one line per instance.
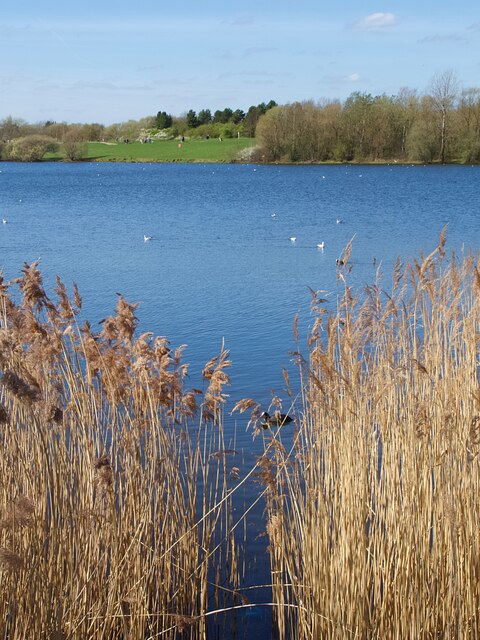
[221, 265]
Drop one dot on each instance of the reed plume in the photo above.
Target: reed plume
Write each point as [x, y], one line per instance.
[104, 528]
[375, 531]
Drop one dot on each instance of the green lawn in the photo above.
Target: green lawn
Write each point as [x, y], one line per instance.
[170, 150]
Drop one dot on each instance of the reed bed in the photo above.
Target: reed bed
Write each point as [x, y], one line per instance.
[116, 487]
[374, 510]
[114, 490]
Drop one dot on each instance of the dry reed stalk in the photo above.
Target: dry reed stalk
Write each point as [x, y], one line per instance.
[130, 504]
[375, 532]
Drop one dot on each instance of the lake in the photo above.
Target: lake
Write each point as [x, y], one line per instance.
[221, 263]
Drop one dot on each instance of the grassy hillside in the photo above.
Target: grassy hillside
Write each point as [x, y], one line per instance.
[211, 150]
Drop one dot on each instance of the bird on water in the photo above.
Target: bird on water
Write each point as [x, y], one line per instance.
[278, 419]
[147, 238]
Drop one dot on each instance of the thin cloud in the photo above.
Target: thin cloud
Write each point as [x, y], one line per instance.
[445, 37]
[255, 74]
[153, 67]
[352, 77]
[243, 21]
[141, 25]
[376, 21]
[102, 86]
[260, 83]
[225, 55]
[253, 51]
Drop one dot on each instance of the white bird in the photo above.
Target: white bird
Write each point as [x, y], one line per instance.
[293, 239]
[273, 215]
[339, 221]
[4, 221]
[321, 245]
[147, 238]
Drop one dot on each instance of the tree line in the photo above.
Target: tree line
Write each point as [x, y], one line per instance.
[226, 122]
[440, 125]
[22, 141]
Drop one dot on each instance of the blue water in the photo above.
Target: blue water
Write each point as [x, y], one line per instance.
[221, 264]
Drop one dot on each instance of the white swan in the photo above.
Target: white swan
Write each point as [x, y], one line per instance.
[147, 238]
[321, 245]
[293, 239]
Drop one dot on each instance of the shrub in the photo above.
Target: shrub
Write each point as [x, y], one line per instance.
[31, 148]
[471, 152]
[74, 145]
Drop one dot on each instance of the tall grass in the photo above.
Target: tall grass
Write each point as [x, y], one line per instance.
[374, 511]
[114, 491]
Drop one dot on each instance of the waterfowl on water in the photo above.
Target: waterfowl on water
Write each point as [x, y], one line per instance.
[321, 245]
[278, 420]
[293, 239]
[147, 238]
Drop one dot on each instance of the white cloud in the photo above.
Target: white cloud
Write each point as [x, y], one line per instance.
[376, 21]
[341, 80]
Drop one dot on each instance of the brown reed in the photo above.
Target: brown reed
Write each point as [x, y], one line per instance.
[115, 481]
[114, 505]
[373, 512]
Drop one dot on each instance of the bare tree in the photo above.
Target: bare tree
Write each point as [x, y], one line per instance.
[444, 89]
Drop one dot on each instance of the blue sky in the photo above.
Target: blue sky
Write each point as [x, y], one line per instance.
[108, 61]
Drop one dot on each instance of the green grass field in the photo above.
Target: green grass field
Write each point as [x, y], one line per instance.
[170, 150]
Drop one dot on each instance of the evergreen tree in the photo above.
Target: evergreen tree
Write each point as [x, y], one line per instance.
[253, 115]
[163, 120]
[237, 116]
[204, 116]
[226, 115]
[192, 120]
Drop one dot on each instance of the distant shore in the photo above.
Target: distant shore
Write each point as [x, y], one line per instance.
[203, 150]
[189, 150]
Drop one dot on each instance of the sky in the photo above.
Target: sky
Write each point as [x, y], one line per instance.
[110, 61]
